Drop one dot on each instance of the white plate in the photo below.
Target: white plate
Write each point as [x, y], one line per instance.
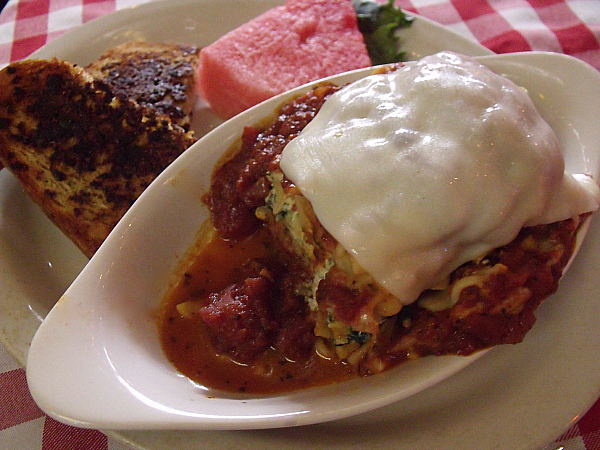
[96, 360]
[519, 410]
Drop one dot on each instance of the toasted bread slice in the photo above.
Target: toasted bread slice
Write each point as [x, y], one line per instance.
[160, 75]
[83, 154]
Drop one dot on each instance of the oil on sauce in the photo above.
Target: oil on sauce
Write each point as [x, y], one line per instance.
[187, 345]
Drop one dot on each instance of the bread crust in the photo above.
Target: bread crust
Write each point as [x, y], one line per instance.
[156, 74]
[80, 152]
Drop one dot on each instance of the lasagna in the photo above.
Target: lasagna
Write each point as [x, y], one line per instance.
[421, 211]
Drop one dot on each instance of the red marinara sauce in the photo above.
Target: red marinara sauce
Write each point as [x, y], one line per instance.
[239, 249]
[188, 346]
[244, 329]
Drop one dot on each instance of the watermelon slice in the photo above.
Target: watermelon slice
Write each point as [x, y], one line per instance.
[287, 46]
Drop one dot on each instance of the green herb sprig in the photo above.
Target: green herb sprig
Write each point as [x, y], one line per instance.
[378, 24]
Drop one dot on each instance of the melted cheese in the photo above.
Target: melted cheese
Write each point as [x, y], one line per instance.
[418, 171]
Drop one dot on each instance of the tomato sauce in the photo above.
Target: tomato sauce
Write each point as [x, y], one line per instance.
[234, 323]
[188, 346]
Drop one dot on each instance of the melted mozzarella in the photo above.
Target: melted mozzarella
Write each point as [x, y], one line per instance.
[418, 171]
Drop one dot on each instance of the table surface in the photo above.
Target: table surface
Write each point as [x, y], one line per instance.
[566, 26]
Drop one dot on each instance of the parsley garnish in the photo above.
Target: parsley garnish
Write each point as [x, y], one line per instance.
[378, 24]
[358, 336]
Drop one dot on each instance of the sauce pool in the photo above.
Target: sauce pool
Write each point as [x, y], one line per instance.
[187, 344]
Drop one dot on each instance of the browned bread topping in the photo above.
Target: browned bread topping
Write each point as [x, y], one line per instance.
[83, 154]
[160, 75]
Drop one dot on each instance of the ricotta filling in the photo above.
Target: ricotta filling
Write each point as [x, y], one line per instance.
[418, 171]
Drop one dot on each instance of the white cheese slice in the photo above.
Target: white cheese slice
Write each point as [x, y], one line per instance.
[418, 171]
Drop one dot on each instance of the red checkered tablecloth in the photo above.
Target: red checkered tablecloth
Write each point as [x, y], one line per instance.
[568, 26]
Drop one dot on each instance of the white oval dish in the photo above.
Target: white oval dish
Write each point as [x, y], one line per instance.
[37, 261]
[96, 360]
